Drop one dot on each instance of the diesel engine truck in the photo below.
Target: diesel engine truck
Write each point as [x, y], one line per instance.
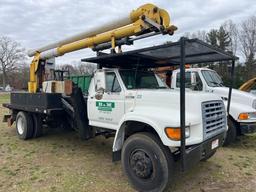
[242, 117]
[153, 126]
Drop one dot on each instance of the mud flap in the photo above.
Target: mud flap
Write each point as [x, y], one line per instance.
[8, 119]
[80, 113]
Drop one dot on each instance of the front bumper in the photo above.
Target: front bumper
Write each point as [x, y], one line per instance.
[196, 153]
[247, 128]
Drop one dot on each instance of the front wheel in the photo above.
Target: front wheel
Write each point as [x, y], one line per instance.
[147, 163]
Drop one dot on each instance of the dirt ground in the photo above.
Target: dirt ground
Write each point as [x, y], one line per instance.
[59, 161]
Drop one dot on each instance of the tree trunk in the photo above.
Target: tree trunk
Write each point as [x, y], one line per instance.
[4, 78]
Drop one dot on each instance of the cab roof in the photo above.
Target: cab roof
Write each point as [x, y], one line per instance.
[168, 54]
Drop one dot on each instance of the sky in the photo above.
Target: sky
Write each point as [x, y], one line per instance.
[35, 23]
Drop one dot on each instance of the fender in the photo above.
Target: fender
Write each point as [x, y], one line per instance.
[120, 133]
[236, 109]
[156, 121]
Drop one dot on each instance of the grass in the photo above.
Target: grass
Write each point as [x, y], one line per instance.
[59, 161]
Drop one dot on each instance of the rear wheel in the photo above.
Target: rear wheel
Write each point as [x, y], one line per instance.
[24, 125]
[147, 163]
[231, 133]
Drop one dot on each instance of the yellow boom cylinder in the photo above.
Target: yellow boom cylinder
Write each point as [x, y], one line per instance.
[98, 39]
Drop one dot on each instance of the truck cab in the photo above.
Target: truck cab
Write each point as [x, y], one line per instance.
[242, 118]
[118, 97]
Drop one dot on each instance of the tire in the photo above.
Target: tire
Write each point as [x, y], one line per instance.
[24, 125]
[147, 163]
[231, 133]
[38, 125]
[209, 156]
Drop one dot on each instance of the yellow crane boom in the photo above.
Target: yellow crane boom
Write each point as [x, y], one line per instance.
[145, 19]
[248, 85]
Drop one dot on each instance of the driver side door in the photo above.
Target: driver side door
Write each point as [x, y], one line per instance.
[109, 109]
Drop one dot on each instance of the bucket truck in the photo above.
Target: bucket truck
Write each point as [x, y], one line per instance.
[152, 125]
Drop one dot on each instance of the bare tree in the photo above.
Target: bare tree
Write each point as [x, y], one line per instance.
[86, 68]
[231, 28]
[247, 37]
[200, 34]
[11, 54]
[70, 68]
[82, 69]
[18, 79]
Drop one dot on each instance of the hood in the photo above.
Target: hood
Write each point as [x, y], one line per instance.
[166, 104]
[237, 96]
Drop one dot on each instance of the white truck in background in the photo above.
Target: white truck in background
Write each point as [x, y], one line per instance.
[242, 118]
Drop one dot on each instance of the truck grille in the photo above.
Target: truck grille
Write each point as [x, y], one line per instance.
[214, 118]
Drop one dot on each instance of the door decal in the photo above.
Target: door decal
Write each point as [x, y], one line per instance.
[105, 106]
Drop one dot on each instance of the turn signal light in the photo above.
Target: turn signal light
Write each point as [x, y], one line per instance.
[173, 133]
[243, 116]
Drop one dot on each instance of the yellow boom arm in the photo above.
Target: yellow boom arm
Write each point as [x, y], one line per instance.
[145, 19]
[248, 85]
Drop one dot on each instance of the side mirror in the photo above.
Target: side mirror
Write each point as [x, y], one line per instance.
[193, 79]
[100, 84]
[99, 94]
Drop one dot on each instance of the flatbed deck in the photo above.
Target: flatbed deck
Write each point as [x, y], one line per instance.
[46, 103]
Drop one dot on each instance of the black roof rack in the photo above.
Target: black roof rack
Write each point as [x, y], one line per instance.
[168, 54]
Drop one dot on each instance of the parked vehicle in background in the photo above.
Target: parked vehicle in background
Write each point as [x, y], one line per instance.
[242, 118]
[8, 88]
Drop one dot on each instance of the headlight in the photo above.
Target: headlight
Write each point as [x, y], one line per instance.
[246, 116]
[174, 133]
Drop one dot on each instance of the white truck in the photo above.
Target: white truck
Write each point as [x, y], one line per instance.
[151, 127]
[242, 117]
[144, 115]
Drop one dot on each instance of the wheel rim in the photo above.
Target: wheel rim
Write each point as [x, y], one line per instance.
[20, 125]
[141, 164]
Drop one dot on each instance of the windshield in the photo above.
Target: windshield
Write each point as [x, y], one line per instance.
[141, 80]
[212, 78]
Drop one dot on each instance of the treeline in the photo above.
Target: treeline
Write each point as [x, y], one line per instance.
[78, 68]
[238, 39]
[18, 78]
